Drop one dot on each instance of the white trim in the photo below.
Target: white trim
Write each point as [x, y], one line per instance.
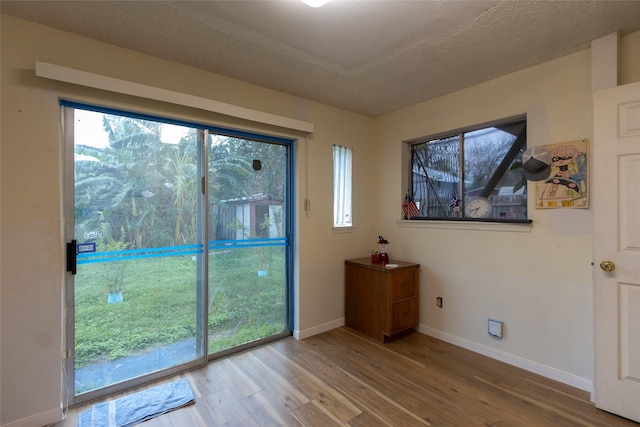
[97, 81]
[300, 335]
[42, 419]
[347, 229]
[517, 227]
[531, 366]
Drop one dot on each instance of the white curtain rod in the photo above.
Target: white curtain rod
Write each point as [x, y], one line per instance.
[97, 81]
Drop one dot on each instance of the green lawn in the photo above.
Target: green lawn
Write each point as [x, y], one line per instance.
[159, 303]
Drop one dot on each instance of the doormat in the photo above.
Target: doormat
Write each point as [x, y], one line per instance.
[138, 407]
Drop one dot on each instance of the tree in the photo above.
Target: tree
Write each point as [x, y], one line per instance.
[144, 191]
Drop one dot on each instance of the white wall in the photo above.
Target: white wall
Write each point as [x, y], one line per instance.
[32, 256]
[537, 282]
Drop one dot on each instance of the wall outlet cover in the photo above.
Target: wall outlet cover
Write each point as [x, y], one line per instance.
[495, 328]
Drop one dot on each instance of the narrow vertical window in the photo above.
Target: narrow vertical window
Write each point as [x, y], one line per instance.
[342, 186]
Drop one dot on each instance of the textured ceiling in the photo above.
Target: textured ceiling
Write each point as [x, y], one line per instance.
[368, 56]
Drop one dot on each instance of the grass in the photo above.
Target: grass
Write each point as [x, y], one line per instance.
[159, 304]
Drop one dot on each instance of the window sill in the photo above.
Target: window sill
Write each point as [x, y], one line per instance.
[518, 227]
[339, 230]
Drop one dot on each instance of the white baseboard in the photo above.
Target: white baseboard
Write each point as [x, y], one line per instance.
[300, 335]
[537, 368]
[38, 420]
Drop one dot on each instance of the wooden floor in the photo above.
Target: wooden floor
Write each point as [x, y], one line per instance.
[340, 378]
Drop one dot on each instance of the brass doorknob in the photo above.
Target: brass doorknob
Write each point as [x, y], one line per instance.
[607, 266]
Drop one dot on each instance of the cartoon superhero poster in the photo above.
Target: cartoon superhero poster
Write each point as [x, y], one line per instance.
[568, 183]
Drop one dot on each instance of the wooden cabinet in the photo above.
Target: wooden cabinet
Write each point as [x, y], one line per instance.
[381, 302]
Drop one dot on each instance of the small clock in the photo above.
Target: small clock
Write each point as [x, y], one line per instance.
[479, 207]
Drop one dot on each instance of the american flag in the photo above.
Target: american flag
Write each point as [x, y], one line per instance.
[409, 208]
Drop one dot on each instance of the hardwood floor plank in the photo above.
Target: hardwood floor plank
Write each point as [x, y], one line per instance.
[234, 377]
[367, 419]
[312, 414]
[509, 407]
[359, 391]
[268, 411]
[542, 409]
[312, 386]
[226, 410]
[417, 388]
[498, 373]
[343, 378]
[269, 380]
[567, 402]
[445, 357]
[207, 381]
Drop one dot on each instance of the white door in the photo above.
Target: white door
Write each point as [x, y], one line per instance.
[616, 202]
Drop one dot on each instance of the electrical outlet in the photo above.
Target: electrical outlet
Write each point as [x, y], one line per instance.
[439, 302]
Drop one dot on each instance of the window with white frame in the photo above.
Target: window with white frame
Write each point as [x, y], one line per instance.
[474, 173]
[342, 157]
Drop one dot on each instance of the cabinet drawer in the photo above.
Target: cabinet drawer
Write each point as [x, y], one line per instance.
[403, 286]
[405, 315]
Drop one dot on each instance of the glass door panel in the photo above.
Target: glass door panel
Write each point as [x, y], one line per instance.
[248, 256]
[136, 292]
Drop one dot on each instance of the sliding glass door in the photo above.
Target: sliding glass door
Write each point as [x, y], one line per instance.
[248, 240]
[179, 245]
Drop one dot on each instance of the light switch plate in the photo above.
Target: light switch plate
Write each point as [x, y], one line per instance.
[495, 328]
